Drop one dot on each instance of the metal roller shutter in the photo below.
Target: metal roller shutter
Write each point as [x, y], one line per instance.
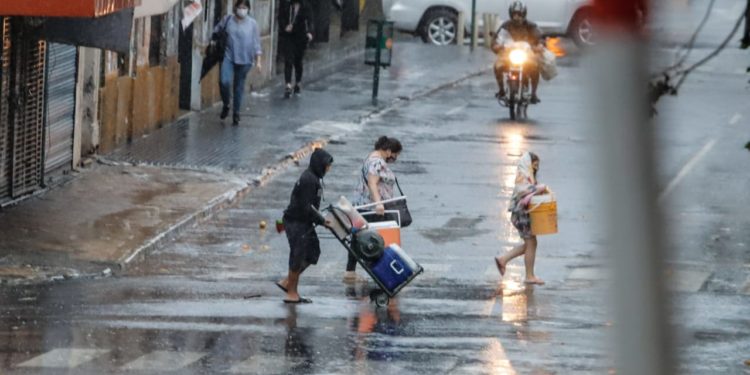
[4, 108]
[28, 119]
[61, 95]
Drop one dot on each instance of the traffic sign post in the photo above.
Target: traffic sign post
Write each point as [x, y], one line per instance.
[378, 50]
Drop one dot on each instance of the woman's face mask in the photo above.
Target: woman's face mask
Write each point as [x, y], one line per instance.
[242, 12]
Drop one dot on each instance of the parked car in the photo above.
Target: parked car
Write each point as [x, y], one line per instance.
[436, 21]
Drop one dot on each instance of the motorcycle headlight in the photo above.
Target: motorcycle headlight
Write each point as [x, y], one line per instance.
[517, 56]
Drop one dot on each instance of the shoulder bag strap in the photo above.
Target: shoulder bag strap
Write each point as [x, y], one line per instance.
[399, 186]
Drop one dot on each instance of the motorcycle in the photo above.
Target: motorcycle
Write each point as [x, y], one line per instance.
[518, 97]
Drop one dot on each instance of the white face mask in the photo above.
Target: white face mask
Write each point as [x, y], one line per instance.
[242, 12]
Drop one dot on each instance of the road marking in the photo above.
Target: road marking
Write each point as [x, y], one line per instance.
[588, 274]
[164, 361]
[265, 364]
[686, 169]
[735, 119]
[64, 358]
[686, 280]
[675, 281]
[456, 110]
[494, 361]
[330, 127]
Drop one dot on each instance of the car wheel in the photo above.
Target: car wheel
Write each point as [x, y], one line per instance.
[582, 30]
[440, 27]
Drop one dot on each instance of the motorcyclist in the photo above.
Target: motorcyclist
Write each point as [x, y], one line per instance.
[518, 29]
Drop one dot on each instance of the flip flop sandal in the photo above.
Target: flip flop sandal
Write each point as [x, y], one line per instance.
[281, 287]
[300, 300]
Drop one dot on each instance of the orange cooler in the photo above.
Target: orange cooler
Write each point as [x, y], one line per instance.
[389, 230]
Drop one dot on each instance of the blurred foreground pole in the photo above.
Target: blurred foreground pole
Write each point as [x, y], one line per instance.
[474, 27]
[626, 153]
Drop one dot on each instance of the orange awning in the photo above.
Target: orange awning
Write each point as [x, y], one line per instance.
[64, 8]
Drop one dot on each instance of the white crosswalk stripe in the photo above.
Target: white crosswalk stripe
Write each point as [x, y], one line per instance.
[63, 358]
[686, 280]
[680, 280]
[265, 364]
[588, 274]
[164, 361]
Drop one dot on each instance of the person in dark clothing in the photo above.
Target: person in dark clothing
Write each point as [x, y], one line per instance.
[300, 219]
[518, 29]
[295, 32]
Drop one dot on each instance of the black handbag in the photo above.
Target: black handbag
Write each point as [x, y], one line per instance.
[399, 205]
[215, 49]
[402, 208]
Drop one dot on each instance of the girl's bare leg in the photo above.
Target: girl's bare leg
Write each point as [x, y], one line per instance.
[503, 260]
[529, 259]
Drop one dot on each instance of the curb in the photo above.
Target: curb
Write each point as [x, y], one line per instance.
[232, 197]
[269, 172]
[221, 202]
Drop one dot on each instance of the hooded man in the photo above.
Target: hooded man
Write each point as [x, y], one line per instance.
[300, 219]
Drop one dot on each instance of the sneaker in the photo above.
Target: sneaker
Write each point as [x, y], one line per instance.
[224, 112]
[287, 92]
[297, 90]
[236, 119]
[535, 99]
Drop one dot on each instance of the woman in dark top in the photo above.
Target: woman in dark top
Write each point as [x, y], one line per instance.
[295, 31]
[300, 219]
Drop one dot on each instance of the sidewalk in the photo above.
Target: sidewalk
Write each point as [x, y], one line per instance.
[117, 210]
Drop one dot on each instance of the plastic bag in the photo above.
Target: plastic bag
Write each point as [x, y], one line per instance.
[343, 213]
[548, 65]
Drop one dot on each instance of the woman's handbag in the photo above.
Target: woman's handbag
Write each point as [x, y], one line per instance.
[400, 205]
[215, 50]
[402, 208]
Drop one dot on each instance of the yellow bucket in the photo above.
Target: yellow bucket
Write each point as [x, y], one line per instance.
[543, 213]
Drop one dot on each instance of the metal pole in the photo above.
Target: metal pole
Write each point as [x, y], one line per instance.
[460, 34]
[473, 24]
[376, 76]
[626, 155]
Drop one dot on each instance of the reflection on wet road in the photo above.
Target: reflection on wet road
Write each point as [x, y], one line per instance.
[205, 302]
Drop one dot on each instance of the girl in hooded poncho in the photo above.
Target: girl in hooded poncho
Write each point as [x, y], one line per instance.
[526, 187]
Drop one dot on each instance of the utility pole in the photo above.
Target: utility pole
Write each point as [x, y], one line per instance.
[474, 27]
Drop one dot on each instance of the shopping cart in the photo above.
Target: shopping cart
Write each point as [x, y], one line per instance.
[392, 271]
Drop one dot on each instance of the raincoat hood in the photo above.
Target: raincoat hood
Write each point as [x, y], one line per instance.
[525, 168]
[525, 183]
[319, 161]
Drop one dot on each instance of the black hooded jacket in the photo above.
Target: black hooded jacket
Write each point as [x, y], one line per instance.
[308, 190]
[302, 24]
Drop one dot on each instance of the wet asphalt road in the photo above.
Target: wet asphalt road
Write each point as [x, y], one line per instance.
[206, 303]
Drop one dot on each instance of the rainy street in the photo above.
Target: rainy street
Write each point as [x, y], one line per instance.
[204, 299]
